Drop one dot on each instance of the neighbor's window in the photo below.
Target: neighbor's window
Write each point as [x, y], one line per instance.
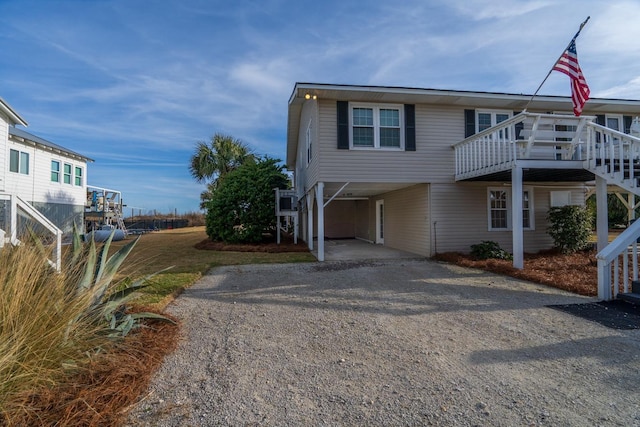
[18, 162]
[374, 126]
[78, 176]
[499, 205]
[55, 171]
[67, 173]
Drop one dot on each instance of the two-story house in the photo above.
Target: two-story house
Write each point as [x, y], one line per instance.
[428, 171]
[42, 184]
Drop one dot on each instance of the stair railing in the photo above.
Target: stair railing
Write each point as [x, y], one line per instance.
[29, 213]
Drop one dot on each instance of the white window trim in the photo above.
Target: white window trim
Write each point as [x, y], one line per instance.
[59, 171]
[376, 125]
[493, 113]
[76, 176]
[532, 224]
[21, 166]
[64, 173]
[620, 119]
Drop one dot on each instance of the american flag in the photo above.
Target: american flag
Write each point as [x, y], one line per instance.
[568, 64]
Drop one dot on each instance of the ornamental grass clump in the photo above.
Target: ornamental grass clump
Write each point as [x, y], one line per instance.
[53, 323]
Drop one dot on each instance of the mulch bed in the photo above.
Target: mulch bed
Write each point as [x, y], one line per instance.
[101, 394]
[575, 273]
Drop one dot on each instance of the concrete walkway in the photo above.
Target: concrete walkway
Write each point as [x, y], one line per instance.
[357, 250]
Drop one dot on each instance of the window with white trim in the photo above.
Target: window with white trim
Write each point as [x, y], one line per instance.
[55, 171]
[78, 176]
[488, 118]
[309, 143]
[67, 173]
[376, 126]
[499, 209]
[18, 162]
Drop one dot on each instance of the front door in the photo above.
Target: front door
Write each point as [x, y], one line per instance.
[380, 221]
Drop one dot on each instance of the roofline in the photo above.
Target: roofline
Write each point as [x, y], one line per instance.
[13, 115]
[42, 143]
[444, 92]
[304, 91]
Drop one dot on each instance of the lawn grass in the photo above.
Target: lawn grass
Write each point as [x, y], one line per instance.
[175, 248]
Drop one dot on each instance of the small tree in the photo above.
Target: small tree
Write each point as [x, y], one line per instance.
[570, 228]
[243, 206]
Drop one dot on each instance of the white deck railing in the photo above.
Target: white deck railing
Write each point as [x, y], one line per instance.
[610, 275]
[552, 139]
[21, 211]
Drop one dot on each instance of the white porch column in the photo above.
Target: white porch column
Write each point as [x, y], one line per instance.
[309, 197]
[602, 221]
[320, 203]
[516, 215]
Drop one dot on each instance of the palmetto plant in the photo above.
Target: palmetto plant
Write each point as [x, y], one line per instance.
[108, 301]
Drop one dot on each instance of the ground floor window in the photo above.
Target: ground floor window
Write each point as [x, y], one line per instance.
[499, 209]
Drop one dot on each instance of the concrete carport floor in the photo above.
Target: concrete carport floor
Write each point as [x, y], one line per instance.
[355, 249]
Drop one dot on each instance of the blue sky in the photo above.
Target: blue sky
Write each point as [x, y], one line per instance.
[134, 84]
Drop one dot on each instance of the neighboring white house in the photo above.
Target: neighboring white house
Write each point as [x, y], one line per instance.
[429, 171]
[46, 176]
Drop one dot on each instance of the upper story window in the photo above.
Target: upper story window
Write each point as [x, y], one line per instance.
[55, 171]
[499, 206]
[78, 176]
[67, 173]
[488, 118]
[19, 162]
[376, 126]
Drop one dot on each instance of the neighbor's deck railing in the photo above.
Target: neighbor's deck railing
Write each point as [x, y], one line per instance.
[22, 217]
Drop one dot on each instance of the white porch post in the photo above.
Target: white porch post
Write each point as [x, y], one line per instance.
[320, 203]
[309, 197]
[516, 214]
[602, 226]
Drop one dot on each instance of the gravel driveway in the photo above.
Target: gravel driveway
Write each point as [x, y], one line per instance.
[400, 343]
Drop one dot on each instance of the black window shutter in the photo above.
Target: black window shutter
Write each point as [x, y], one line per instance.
[469, 123]
[518, 126]
[343, 125]
[409, 127]
[627, 120]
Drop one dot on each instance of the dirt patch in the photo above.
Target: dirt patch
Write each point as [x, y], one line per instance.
[577, 273]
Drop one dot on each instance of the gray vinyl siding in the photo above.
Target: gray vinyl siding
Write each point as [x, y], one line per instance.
[406, 221]
[459, 216]
[437, 129]
[307, 175]
[340, 219]
[362, 229]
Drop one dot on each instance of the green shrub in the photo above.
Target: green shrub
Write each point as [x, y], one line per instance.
[489, 250]
[242, 207]
[570, 228]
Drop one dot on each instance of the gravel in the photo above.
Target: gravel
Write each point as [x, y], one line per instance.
[399, 343]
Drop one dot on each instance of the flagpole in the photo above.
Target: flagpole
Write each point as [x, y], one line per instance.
[554, 64]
